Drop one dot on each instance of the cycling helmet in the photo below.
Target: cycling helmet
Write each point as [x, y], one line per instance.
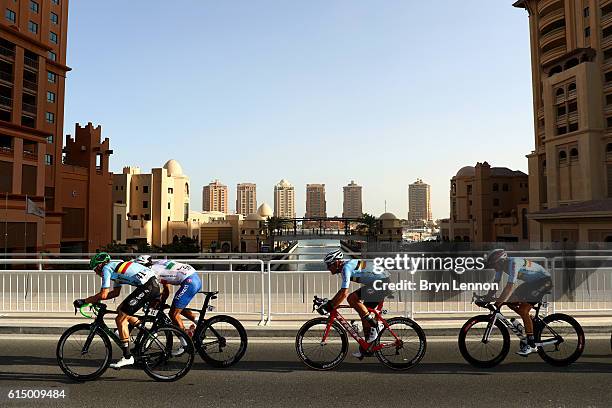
[98, 259]
[494, 256]
[333, 256]
[144, 260]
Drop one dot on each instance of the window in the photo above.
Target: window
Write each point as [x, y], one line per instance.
[496, 202]
[55, 2]
[50, 139]
[469, 189]
[608, 76]
[48, 159]
[52, 37]
[561, 130]
[34, 6]
[51, 77]
[574, 154]
[505, 187]
[587, 32]
[560, 110]
[52, 56]
[573, 127]
[10, 15]
[168, 205]
[571, 87]
[560, 92]
[145, 189]
[562, 155]
[50, 97]
[170, 190]
[54, 18]
[586, 12]
[50, 117]
[609, 148]
[495, 187]
[145, 204]
[33, 27]
[609, 122]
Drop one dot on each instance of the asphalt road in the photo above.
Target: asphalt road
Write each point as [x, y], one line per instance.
[271, 375]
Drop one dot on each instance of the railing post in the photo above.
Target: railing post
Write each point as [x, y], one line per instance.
[269, 293]
[263, 295]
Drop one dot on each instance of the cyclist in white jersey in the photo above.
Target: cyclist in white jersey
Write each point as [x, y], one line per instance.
[170, 272]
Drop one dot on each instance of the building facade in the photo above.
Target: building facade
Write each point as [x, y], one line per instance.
[570, 167]
[284, 200]
[214, 197]
[419, 203]
[488, 204]
[246, 198]
[33, 40]
[316, 205]
[146, 204]
[352, 202]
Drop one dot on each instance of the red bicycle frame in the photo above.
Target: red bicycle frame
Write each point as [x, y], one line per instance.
[335, 315]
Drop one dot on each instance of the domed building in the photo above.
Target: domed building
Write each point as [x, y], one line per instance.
[389, 228]
[265, 211]
[153, 207]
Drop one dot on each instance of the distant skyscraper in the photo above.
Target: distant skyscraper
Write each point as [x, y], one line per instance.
[315, 200]
[351, 207]
[284, 200]
[246, 198]
[419, 204]
[214, 197]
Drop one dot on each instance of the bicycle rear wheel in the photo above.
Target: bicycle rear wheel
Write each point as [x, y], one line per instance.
[404, 344]
[221, 342]
[479, 353]
[166, 353]
[319, 354]
[79, 365]
[562, 338]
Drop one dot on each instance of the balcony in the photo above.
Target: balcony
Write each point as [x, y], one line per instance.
[552, 54]
[6, 78]
[30, 63]
[552, 35]
[30, 155]
[6, 151]
[7, 53]
[546, 3]
[551, 17]
[30, 86]
[6, 102]
[28, 108]
[606, 20]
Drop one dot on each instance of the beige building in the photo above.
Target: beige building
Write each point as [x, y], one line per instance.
[246, 198]
[316, 205]
[488, 204]
[352, 203]
[145, 204]
[570, 168]
[389, 228]
[284, 200]
[214, 197]
[419, 203]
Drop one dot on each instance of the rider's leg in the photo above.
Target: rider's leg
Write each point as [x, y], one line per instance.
[124, 335]
[356, 303]
[190, 315]
[523, 311]
[175, 315]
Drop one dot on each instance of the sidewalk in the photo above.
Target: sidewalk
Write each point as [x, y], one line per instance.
[41, 323]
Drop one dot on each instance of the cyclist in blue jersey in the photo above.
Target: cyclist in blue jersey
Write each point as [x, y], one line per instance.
[120, 273]
[359, 271]
[536, 282]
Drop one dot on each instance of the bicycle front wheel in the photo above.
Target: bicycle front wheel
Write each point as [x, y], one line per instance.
[222, 341]
[562, 339]
[82, 354]
[403, 344]
[319, 354]
[166, 353]
[481, 352]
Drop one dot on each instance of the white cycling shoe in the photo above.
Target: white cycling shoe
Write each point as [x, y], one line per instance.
[526, 350]
[122, 363]
[180, 350]
[374, 331]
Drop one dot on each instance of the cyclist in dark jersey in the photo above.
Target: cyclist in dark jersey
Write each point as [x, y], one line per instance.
[120, 273]
[536, 282]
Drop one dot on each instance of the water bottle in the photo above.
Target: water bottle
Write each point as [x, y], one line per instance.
[517, 327]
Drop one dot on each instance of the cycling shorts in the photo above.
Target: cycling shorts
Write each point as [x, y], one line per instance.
[531, 292]
[187, 291]
[140, 296]
[370, 296]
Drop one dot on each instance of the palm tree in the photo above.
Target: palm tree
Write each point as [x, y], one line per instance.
[370, 223]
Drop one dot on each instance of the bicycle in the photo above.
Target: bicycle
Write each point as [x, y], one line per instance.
[484, 340]
[84, 351]
[327, 336]
[221, 341]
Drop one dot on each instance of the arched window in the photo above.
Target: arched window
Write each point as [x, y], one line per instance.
[562, 155]
[560, 92]
[555, 70]
[186, 189]
[574, 153]
[544, 163]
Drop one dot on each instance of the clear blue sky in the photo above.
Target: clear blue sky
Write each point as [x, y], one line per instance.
[318, 91]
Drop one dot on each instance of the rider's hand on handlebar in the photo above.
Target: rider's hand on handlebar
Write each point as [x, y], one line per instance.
[325, 308]
[79, 303]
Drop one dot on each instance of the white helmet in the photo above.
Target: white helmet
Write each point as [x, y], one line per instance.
[144, 260]
[333, 256]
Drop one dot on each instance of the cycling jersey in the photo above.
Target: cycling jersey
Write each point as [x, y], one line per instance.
[360, 271]
[172, 272]
[121, 272]
[523, 270]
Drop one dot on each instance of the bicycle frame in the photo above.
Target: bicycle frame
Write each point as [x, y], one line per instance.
[336, 315]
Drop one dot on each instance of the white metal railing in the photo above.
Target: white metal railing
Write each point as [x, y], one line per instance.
[254, 287]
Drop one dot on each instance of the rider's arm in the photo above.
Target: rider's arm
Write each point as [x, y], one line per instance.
[505, 294]
[339, 298]
[104, 294]
[165, 293]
